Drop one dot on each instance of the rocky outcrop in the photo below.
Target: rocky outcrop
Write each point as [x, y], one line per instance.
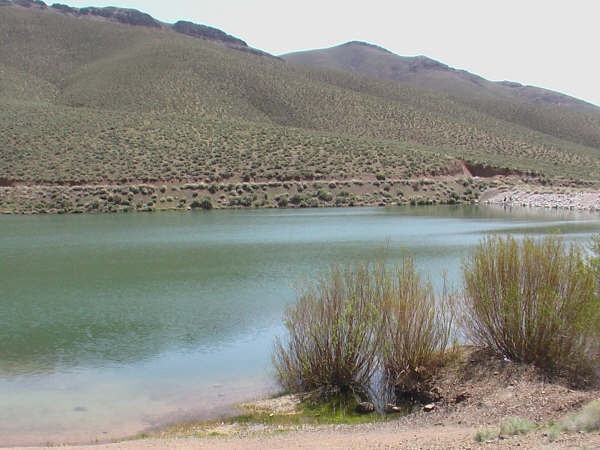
[27, 3]
[65, 9]
[206, 32]
[122, 15]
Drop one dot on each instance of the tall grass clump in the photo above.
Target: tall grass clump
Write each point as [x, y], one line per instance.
[333, 335]
[534, 301]
[362, 325]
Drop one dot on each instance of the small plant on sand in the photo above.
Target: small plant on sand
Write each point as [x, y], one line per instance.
[513, 426]
[534, 302]
[485, 434]
[588, 419]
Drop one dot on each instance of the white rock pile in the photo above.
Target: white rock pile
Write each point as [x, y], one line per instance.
[579, 201]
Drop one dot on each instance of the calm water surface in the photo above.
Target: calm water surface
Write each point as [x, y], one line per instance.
[111, 324]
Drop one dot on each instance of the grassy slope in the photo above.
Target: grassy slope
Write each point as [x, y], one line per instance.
[86, 101]
[539, 109]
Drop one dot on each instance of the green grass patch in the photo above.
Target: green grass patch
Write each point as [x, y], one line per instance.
[485, 434]
[337, 410]
[514, 426]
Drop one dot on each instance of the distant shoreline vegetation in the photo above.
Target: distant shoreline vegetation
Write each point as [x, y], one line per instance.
[149, 197]
[146, 197]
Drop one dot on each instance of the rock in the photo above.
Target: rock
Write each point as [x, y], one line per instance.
[65, 9]
[462, 397]
[429, 407]
[391, 409]
[365, 408]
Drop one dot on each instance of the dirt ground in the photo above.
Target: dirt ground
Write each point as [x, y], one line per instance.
[477, 395]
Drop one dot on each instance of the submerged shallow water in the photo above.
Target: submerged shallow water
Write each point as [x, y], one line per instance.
[111, 324]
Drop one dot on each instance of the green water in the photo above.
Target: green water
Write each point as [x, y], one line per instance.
[110, 324]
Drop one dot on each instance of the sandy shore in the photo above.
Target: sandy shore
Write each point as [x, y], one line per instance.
[389, 435]
[380, 436]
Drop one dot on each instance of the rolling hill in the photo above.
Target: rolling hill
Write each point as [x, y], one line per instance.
[111, 110]
[523, 105]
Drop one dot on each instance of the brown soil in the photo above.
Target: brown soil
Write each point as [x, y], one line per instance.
[478, 393]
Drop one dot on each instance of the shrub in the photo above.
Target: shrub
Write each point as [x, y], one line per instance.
[282, 202]
[297, 199]
[332, 335]
[361, 325]
[595, 261]
[205, 203]
[416, 332]
[513, 426]
[324, 195]
[485, 434]
[533, 302]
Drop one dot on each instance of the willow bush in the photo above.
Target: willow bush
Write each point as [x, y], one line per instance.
[361, 325]
[534, 301]
[417, 331]
[595, 260]
[333, 335]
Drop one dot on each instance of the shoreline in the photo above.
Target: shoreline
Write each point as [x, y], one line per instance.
[448, 190]
[475, 400]
[159, 196]
[524, 198]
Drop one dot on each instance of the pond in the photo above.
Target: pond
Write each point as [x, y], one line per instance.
[113, 324]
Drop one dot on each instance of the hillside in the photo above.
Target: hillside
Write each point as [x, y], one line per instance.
[537, 108]
[101, 115]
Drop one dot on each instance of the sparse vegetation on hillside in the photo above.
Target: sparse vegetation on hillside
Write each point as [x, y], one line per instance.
[542, 110]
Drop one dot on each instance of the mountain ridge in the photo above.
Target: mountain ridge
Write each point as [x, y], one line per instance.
[506, 100]
[403, 68]
[416, 64]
